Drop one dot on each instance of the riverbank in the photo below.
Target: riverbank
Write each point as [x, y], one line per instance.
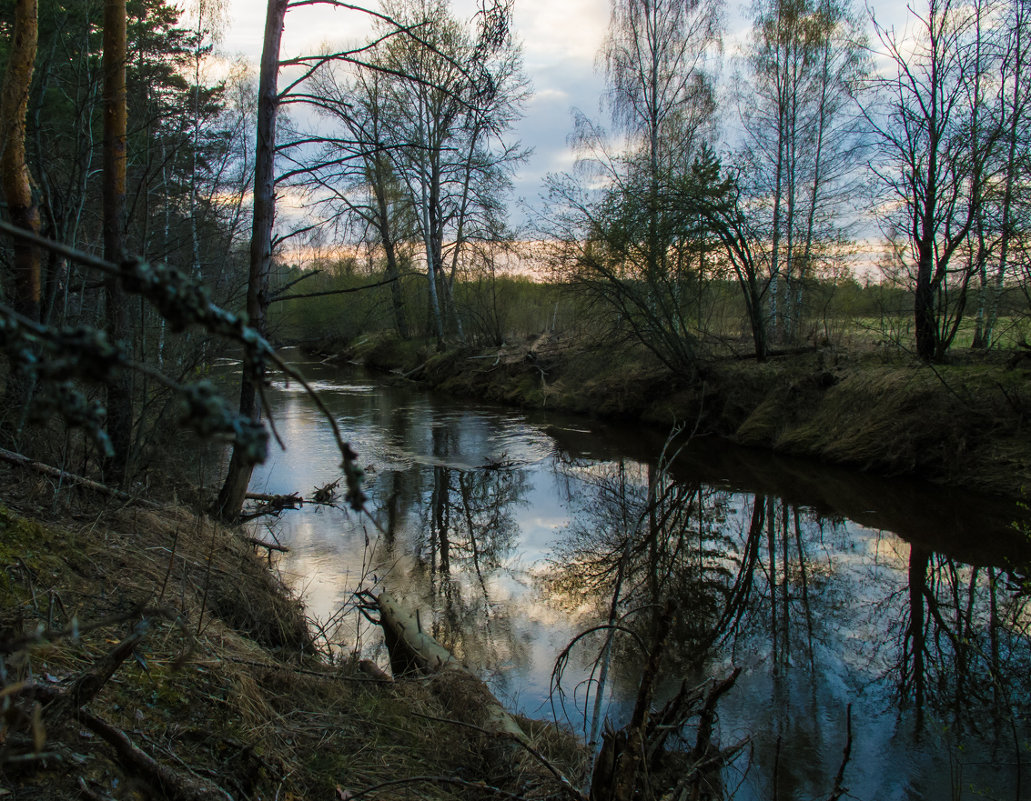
[149, 652]
[962, 424]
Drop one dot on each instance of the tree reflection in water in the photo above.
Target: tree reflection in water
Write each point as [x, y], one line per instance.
[467, 531]
[755, 580]
[964, 648]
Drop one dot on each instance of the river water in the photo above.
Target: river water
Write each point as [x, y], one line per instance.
[513, 533]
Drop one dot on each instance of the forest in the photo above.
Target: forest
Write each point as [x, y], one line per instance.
[828, 182]
[811, 236]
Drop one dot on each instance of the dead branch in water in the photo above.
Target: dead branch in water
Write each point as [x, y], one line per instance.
[461, 691]
[839, 787]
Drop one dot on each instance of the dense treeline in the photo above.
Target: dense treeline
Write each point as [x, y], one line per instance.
[186, 148]
[846, 155]
[125, 148]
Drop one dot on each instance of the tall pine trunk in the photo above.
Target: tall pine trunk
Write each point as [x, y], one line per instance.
[119, 390]
[14, 171]
[17, 188]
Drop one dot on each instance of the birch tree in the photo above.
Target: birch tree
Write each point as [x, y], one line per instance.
[626, 240]
[357, 175]
[1002, 230]
[805, 61]
[453, 97]
[659, 58]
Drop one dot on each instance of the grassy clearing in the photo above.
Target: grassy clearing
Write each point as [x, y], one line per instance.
[225, 685]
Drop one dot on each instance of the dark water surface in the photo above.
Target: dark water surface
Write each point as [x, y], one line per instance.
[827, 587]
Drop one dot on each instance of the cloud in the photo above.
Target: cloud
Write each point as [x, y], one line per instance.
[570, 30]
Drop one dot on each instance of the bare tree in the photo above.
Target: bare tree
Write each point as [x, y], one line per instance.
[231, 496]
[1000, 224]
[805, 60]
[935, 146]
[441, 98]
[659, 58]
[453, 94]
[357, 172]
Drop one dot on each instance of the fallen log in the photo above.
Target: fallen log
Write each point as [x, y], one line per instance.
[72, 478]
[413, 650]
[465, 696]
[285, 498]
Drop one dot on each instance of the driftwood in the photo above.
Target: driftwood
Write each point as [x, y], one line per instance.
[292, 498]
[272, 546]
[464, 695]
[271, 504]
[413, 650]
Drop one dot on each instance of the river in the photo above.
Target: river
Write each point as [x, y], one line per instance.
[830, 589]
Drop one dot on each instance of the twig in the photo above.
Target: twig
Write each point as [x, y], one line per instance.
[171, 564]
[207, 583]
[270, 545]
[28, 579]
[839, 789]
[438, 780]
[278, 292]
[348, 290]
[567, 785]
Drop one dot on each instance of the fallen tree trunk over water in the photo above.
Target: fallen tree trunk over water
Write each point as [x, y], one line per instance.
[466, 697]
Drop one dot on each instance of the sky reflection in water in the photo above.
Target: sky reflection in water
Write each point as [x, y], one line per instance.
[510, 528]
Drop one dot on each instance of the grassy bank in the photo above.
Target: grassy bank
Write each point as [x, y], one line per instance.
[193, 672]
[962, 424]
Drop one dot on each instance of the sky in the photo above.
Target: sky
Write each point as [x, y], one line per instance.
[560, 41]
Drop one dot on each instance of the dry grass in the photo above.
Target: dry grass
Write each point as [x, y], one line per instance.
[225, 685]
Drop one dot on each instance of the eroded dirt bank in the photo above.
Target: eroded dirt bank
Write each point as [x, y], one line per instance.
[961, 424]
